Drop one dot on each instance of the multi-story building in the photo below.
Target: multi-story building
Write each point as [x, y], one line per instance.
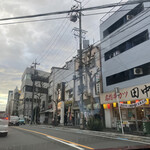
[57, 80]
[125, 62]
[9, 103]
[91, 84]
[40, 93]
[13, 102]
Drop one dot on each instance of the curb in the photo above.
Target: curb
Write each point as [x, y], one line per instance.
[112, 135]
[118, 136]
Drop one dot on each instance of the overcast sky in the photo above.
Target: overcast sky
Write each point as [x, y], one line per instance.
[52, 43]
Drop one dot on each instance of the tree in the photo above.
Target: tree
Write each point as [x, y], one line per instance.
[39, 93]
[88, 62]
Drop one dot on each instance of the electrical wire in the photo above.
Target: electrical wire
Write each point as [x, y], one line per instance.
[116, 11]
[99, 13]
[110, 10]
[77, 10]
[67, 41]
[54, 35]
[126, 27]
[146, 25]
[86, 3]
[32, 21]
[53, 41]
[59, 18]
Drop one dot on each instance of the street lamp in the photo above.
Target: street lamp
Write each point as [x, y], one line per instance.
[117, 94]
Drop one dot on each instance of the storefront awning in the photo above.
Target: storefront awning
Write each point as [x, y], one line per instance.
[49, 110]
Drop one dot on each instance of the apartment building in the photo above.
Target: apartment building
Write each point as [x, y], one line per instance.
[125, 63]
[59, 78]
[40, 93]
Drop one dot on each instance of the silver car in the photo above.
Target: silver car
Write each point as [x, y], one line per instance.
[3, 125]
[13, 121]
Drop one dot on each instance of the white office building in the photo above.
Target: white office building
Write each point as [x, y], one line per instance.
[125, 59]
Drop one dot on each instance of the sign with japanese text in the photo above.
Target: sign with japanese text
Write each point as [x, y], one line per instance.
[140, 103]
[127, 94]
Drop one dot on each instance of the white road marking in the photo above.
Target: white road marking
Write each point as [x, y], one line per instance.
[72, 145]
[104, 136]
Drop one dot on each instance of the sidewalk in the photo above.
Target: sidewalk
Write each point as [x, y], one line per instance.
[105, 134]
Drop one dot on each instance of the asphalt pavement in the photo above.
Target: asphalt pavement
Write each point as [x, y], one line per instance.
[41, 138]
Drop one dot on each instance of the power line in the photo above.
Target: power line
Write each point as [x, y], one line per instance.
[59, 18]
[37, 20]
[54, 39]
[76, 10]
[99, 13]
[127, 27]
[128, 35]
[58, 37]
[86, 3]
[110, 10]
[73, 49]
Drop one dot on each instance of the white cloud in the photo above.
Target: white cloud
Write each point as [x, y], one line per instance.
[52, 41]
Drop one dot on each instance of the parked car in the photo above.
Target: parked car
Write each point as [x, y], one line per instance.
[3, 125]
[21, 121]
[14, 120]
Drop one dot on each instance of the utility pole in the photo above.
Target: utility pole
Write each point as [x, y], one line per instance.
[73, 18]
[117, 94]
[33, 80]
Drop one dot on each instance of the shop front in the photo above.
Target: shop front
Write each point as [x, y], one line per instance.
[69, 115]
[60, 112]
[134, 106]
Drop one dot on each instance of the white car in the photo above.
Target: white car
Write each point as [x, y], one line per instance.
[3, 125]
[13, 121]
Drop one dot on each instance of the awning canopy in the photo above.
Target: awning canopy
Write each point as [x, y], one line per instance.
[49, 110]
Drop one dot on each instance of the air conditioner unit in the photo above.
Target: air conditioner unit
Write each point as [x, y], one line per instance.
[129, 17]
[138, 71]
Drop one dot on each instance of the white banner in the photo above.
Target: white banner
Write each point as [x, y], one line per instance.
[140, 103]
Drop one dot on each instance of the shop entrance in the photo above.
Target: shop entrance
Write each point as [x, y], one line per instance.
[77, 117]
[133, 118]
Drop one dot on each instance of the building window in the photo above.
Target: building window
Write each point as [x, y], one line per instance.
[70, 93]
[132, 73]
[28, 88]
[92, 63]
[138, 39]
[37, 89]
[134, 12]
[50, 99]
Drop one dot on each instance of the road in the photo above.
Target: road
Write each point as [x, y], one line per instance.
[42, 138]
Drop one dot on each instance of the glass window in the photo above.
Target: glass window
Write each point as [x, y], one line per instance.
[128, 74]
[138, 39]
[124, 20]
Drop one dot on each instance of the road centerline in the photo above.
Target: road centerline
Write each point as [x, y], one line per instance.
[56, 138]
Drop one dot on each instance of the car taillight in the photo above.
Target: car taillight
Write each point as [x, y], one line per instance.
[6, 118]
